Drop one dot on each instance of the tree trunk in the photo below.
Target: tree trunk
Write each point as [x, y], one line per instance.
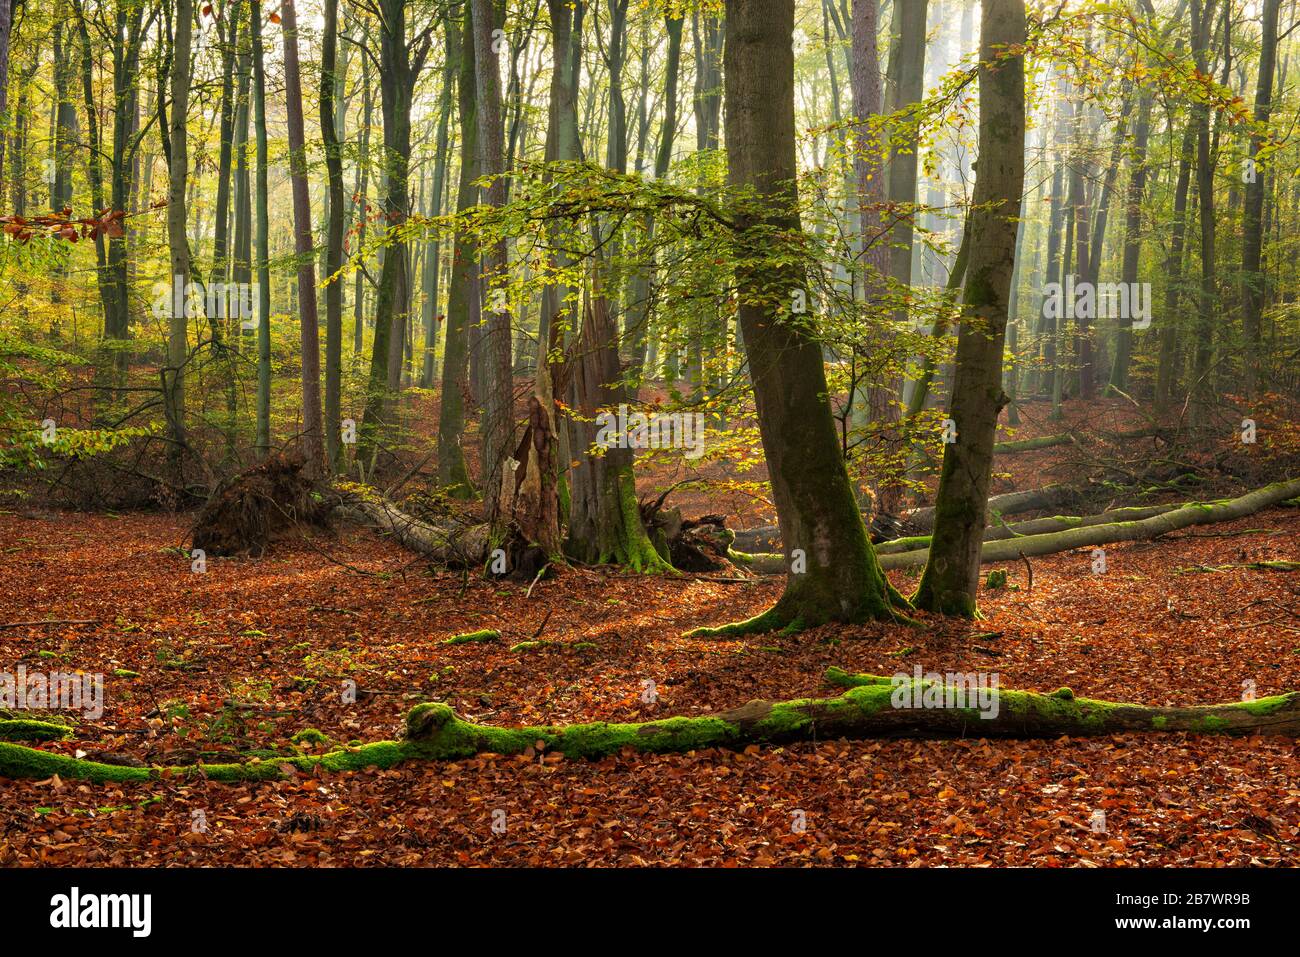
[263, 238]
[951, 578]
[433, 248]
[1132, 235]
[312, 445]
[834, 575]
[498, 427]
[1252, 243]
[177, 240]
[400, 68]
[934, 705]
[1202, 17]
[462, 288]
[329, 83]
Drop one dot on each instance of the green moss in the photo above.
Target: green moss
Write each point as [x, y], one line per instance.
[997, 578]
[310, 736]
[17, 761]
[483, 635]
[770, 620]
[24, 729]
[1264, 706]
[125, 673]
[1159, 722]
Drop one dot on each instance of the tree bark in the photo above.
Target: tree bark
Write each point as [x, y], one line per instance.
[312, 445]
[951, 578]
[498, 428]
[329, 84]
[462, 289]
[1252, 242]
[835, 576]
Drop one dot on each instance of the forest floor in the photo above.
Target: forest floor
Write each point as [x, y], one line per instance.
[202, 666]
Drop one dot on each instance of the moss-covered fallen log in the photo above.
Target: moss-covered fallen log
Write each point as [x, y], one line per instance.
[766, 538]
[1030, 445]
[1008, 503]
[872, 706]
[1037, 526]
[1185, 516]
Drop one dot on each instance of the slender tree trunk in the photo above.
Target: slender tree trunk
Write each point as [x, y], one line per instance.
[462, 286]
[329, 84]
[1252, 243]
[498, 426]
[951, 577]
[909, 27]
[1132, 235]
[177, 239]
[312, 444]
[263, 238]
[1202, 17]
[6, 27]
[433, 249]
[1167, 371]
[363, 212]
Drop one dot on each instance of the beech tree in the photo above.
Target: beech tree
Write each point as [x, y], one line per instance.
[950, 581]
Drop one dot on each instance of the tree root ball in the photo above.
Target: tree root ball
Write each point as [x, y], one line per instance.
[246, 512]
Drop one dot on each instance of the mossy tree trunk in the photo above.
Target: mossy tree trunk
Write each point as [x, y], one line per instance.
[604, 518]
[834, 574]
[951, 576]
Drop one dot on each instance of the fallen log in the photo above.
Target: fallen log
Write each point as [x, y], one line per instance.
[1185, 516]
[1009, 503]
[767, 538]
[1037, 526]
[460, 544]
[873, 706]
[1030, 445]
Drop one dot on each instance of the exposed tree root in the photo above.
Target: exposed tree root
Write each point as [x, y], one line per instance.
[247, 511]
[873, 706]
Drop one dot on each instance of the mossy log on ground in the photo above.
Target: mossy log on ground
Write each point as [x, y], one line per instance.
[1185, 516]
[767, 538]
[1037, 526]
[873, 706]
[474, 637]
[25, 729]
[1009, 503]
[1029, 445]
